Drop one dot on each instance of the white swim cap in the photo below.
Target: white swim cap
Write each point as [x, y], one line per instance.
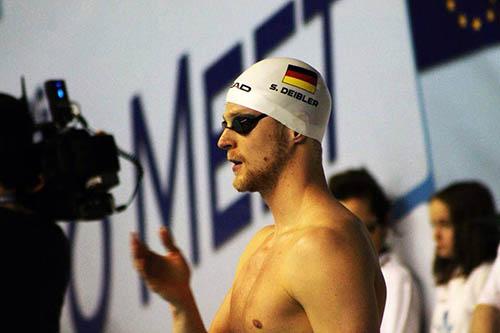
[288, 90]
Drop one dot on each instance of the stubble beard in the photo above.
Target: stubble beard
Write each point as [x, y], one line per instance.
[264, 179]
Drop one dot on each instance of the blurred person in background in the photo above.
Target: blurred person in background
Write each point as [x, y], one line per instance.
[465, 246]
[486, 316]
[359, 192]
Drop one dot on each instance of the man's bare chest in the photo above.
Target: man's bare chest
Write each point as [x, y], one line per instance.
[259, 299]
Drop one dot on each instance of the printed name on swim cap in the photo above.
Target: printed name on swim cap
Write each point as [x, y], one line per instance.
[295, 94]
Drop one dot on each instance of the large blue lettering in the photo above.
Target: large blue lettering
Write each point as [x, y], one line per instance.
[144, 151]
[228, 222]
[96, 322]
[311, 9]
[274, 31]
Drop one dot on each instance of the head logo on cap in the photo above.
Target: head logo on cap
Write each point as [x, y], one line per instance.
[301, 78]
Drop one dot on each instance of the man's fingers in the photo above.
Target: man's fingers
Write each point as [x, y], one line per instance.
[138, 253]
[167, 240]
[139, 249]
[140, 265]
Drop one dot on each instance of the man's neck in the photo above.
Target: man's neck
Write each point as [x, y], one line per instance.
[297, 188]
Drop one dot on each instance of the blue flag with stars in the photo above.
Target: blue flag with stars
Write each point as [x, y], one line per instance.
[447, 29]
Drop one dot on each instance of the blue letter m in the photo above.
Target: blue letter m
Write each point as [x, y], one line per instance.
[144, 151]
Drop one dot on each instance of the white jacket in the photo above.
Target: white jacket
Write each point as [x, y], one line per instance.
[491, 292]
[456, 300]
[402, 306]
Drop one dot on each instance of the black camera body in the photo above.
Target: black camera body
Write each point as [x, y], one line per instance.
[78, 167]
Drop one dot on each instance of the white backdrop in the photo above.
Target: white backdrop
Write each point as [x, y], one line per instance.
[110, 52]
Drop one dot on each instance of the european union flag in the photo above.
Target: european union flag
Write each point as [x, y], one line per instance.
[447, 29]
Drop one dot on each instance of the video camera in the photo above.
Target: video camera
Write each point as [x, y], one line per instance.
[79, 167]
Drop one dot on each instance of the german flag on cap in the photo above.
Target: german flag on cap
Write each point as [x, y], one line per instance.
[301, 78]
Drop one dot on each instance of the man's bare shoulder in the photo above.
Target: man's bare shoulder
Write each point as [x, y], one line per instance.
[264, 232]
[255, 243]
[322, 208]
[341, 250]
[331, 241]
[334, 268]
[331, 219]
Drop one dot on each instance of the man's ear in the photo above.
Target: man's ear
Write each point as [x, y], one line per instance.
[298, 138]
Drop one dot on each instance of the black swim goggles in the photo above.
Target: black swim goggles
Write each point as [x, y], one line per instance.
[243, 124]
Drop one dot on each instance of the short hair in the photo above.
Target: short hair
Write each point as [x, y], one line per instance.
[359, 183]
[476, 229]
[19, 167]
